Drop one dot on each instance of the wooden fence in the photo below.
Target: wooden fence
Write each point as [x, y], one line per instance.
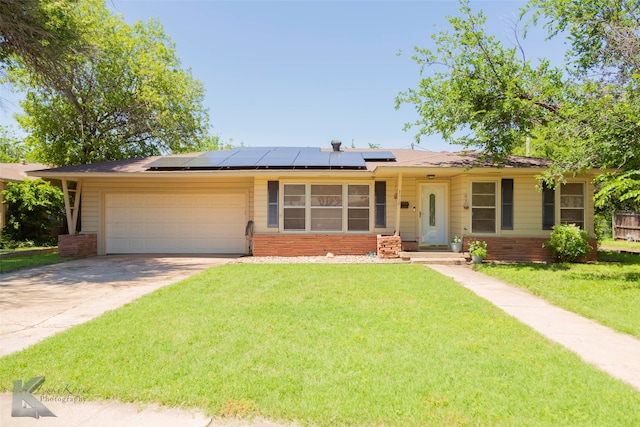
[626, 225]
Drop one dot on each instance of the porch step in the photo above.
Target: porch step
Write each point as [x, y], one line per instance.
[434, 257]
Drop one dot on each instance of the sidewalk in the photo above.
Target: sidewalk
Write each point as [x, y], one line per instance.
[615, 353]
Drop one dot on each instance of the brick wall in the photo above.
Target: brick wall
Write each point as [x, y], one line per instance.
[520, 248]
[77, 245]
[389, 246]
[313, 244]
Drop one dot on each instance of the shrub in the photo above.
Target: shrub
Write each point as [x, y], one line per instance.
[34, 207]
[568, 243]
[478, 248]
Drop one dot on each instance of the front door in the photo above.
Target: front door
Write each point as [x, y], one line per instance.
[433, 221]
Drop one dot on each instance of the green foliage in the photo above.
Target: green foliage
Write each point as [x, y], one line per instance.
[34, 207]
[478, 248]
[124, 96]
[12, 150]
[568, 243]
[475, 91]
[619, 191]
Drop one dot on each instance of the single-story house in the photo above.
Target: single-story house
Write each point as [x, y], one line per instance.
[13, 172]
[285, 201]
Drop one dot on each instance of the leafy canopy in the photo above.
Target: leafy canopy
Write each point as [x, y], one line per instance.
[125, 95]
[477, 92]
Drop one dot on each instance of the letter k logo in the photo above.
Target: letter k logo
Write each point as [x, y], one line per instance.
[22, 397]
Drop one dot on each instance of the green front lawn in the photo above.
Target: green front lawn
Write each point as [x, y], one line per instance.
[621, 244]
[608, 292]
[329, 345]
[27, 261]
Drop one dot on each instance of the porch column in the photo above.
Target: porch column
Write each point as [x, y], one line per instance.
[398, 203]
[71, 211]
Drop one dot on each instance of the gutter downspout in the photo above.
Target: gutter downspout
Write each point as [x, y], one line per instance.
[398, 203]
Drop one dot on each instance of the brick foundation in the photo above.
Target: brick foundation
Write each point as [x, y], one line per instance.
[77, 245]
[389, 246]
[313, 244]
[520, 249]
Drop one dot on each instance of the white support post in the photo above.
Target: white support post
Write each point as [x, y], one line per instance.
[398, 203]
[71, 211]
[67, 206]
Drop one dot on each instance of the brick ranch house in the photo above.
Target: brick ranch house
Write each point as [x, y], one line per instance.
[285, 201]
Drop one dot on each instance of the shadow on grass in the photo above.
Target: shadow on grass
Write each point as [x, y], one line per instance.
[616, 257]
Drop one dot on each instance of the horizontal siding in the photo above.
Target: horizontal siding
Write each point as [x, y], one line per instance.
[408, 218]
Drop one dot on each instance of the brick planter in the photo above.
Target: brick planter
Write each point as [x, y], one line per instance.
[77, 245]
[389, 246]
[527, 249]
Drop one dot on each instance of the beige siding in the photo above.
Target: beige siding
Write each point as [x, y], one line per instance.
[408, 218]
[458, 191]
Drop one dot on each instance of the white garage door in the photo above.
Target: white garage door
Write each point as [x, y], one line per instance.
[175, 223]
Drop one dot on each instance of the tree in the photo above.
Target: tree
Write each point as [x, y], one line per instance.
[37, 33]
[12, 150]
[490, 97]
[124, 96]
[34, 206]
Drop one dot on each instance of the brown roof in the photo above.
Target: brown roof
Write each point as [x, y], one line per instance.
[17, 171]
[404, 158]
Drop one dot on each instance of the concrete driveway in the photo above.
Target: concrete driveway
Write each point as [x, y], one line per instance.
[43, 301]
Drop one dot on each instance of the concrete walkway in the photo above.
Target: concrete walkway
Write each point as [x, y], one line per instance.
[615, 353]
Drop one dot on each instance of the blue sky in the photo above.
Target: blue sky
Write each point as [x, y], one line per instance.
[301, 73]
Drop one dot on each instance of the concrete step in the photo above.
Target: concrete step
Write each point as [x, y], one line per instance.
[439, 261]
[430, 254]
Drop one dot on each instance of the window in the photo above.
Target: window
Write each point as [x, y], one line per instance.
[507, 204]
[548, 207]
[572, 204]
[483, 207]
[381, 204]
[432, 210]
[272, 204]
[358, 208]
[294, 206]
[326, 207]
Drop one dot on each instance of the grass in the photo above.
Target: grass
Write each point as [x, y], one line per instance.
[621, 244]
[9, 264]
[608, 292]
[329, 345]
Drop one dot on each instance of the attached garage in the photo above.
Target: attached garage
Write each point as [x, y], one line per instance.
[175, 223]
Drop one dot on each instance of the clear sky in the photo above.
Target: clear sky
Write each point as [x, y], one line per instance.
[301, 73]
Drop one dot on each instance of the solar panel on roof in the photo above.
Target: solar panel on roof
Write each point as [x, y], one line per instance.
[343, 159]
[378, 155]
[312, 159]
[169, 162]
[279, 158]
[273, 157]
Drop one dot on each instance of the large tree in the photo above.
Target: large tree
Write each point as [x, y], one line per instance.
[124, 95]
[38, 32]
[477, 91]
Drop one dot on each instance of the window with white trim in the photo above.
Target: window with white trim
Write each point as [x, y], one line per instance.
[483, 207]
[326, 207]
[358, 207]
[572, 204]
[293, 207]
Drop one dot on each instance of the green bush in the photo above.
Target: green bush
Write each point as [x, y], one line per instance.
[478, 248]
[34, 207]
[568, 243]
